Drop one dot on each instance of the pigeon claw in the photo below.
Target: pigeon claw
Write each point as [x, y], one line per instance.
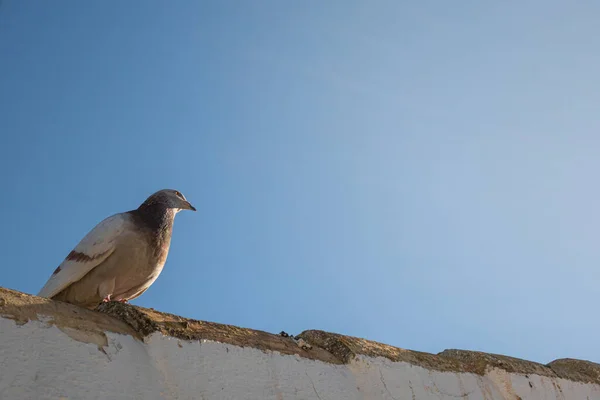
[107, 299]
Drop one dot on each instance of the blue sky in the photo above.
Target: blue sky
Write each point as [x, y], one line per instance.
[422, 174]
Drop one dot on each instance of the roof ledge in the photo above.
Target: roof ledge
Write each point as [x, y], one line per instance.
[90, 326]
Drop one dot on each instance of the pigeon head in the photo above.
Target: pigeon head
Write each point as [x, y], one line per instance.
[169, 199]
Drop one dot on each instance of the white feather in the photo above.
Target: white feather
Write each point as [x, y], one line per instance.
[97, 245]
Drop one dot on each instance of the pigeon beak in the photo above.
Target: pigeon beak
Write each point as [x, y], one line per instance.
[189, 206]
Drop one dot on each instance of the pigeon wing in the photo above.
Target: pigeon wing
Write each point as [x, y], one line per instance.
[91, 251]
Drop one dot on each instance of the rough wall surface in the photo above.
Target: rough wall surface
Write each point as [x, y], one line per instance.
[53, 350]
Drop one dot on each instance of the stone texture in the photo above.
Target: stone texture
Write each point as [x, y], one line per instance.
[576, 370]
[146, 321]
[346, 348]
[80, 324]
[479, 363]
[90, 326]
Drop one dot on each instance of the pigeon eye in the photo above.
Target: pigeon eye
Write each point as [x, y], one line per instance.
[177, 194]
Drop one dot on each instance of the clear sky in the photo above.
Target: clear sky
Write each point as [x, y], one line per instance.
[422, 174]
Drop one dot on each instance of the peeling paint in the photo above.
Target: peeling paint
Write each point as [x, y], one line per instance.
[38, 358]
[53, 350]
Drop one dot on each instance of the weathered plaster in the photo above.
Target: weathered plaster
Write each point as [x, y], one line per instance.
[52, 350]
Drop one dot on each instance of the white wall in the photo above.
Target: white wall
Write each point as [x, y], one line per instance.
[40, 361]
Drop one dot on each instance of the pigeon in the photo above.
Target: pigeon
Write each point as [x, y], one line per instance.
[121, 257]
